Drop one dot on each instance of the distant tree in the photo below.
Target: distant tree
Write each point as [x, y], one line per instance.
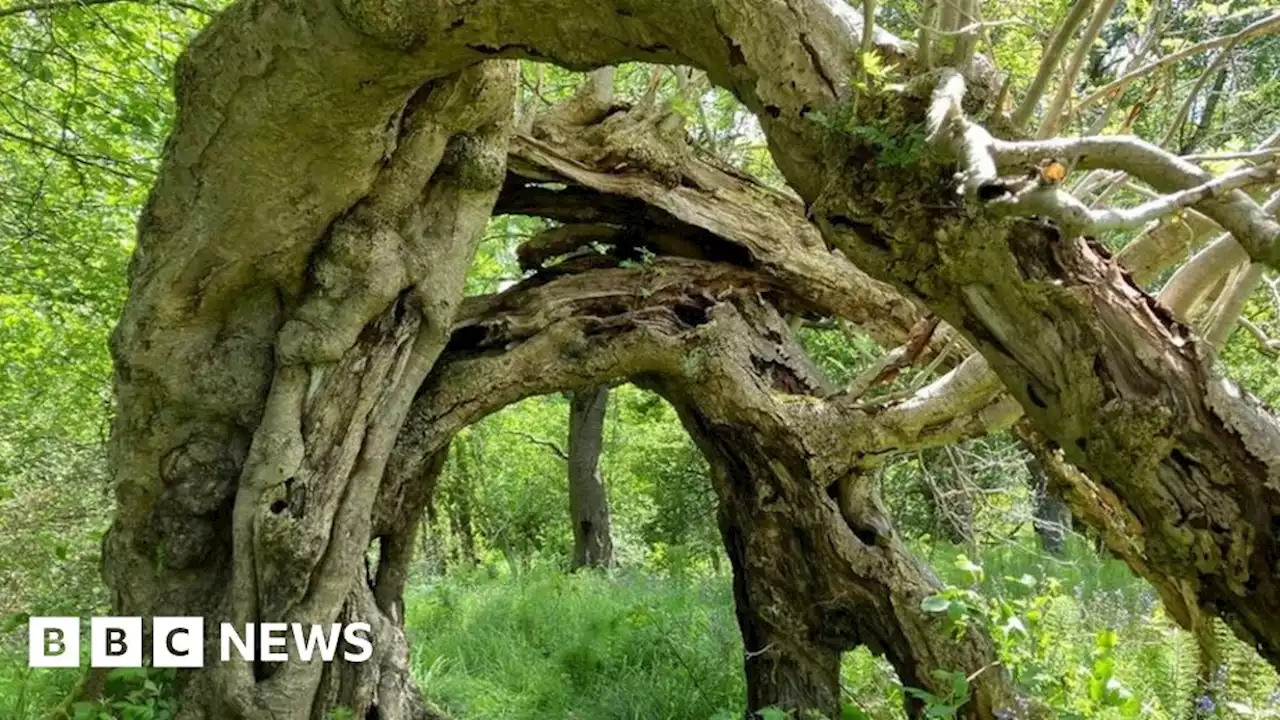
[588, 500]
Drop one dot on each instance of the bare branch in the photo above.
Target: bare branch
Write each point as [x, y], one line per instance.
[105, 164]
[1265, 344]
[553, 447]
[1226, 310]
[1049, 63]
[1165, 243]
[1078, 219]
[1144, 46]
[967, 22]
[978, 26]
[924, 37]
[1067, 83]
[1265, 154]
[1235, 211]
[888, 367]
[969, 401]
[1262, 28]
[1193, 281]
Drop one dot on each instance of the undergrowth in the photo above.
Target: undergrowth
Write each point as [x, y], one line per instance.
[646, 645]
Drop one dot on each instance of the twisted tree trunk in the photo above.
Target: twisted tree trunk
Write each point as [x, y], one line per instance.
[818, 567]
[253, 434]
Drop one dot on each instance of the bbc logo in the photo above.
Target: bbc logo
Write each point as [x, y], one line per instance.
[178, 642]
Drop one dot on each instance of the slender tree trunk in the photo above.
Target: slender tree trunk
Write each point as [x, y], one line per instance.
[466, 457]
[1052, 516]
[588, 501]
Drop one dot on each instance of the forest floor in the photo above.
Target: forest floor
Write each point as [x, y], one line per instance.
[646, 645]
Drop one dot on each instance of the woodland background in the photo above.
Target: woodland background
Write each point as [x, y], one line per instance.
[499, 626]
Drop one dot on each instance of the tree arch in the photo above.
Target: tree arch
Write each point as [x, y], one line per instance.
[818, 568]
[299, 267]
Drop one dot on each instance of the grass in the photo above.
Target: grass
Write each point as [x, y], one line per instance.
[638, 645]
[589, 645]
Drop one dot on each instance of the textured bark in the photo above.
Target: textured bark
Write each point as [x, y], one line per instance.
[305, 226]
[818, 568]
[1109, 331]
[1118, 528]
[260, 395]
[633, 181]
[588, 501]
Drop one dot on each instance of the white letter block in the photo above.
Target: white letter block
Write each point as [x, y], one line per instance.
[53, 642]
[115, 642]
[177, 642]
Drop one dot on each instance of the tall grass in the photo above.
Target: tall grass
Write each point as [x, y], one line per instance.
[588, 645]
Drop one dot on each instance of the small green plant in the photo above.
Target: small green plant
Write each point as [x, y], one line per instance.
[943, 706]
[1105, 691]
[1028, 647]
[132, 694]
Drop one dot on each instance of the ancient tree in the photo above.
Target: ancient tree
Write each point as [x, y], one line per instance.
[296, 353]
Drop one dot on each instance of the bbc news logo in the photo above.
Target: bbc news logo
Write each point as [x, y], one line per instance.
[178, 642]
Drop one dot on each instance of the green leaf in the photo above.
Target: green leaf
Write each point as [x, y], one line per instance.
[935, 604]
[964, 564]
[853, 712]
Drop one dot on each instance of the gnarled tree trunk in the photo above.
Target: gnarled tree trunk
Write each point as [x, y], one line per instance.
[258, 411]
[818, 568]
[302, 253]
